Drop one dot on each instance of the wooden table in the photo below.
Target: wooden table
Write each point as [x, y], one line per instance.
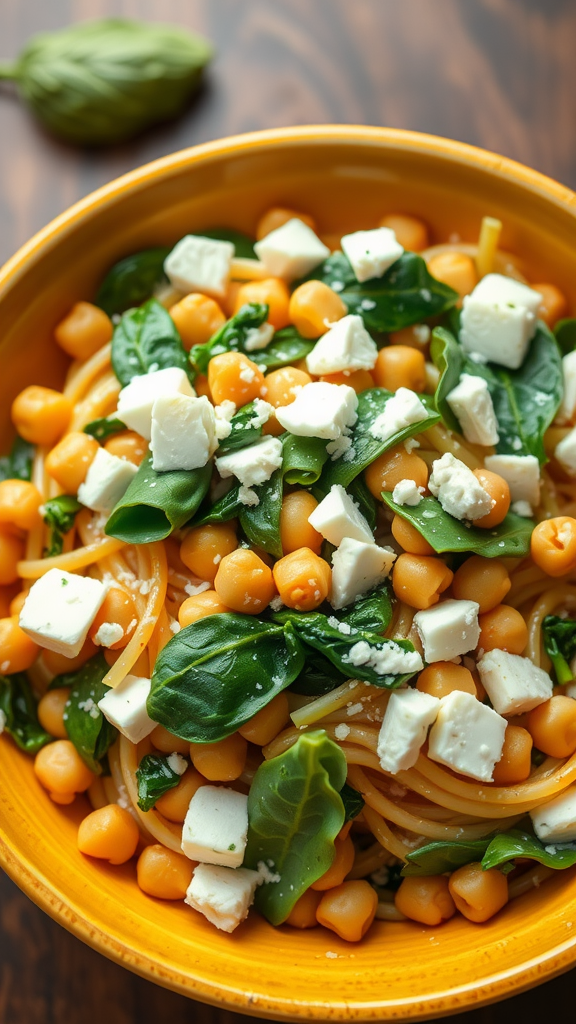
[497, 73]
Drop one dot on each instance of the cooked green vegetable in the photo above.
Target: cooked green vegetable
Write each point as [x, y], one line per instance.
[104, 427]
[59, 514]
[319, 676]
[302, 459]
[243, 244]
[101, 82]
[371, 612]
[565, 334]
[245, 430]
[132, 280]
[155, 777]
[495, 851]
[261, 522]
[448, 356]
[17, 465]
[360, 492]
[231, 337]
[560, 645]
[19, 708]
[157, 503]
[287, 346]
[146, 339]
[437, 858]
[353, 802]
[295, 812]
[87, 728]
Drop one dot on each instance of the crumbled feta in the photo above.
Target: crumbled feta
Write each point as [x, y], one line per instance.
[253, 464]
[125, 707]
[448, 629]
[389, 659]
[291, 251]
[135, 401]
[337, 516]
[320, 410]
[183, 432]
[400, 411]
[459, 492]
[565, 452]
[216, 826]
[409, 713]
[262, 413]
[567, 409]
[471, 403]
[257, 338]
[107, 481]
[339, 448]
[108, 634]
[59, 610]
[223, 413]
[406, 492]
[514, 684]
[371, 253]
[222, 895]
[555, 821]
[177, 763]
[247, 496]
[198, 264]
[522, 508]
[342, 731]
[521, 473]
[346, 346]
[467, 736]
[357, 567]
[499, 320]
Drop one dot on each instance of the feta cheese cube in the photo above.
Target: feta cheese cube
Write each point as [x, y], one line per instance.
[337, 516]
[407, 493]
[522, 508]
[183, 432]
[320, 410]
[216, 826]
[513, 684]
[471, 403]
[371, 253]
[346, 346]
[467, 736]
[565, 452]
[291, 251]
[400, 411]
[59, 610]
[357, 566]
[198, 264]
[567, 410]
[459, 492]
[409, 713]
[555, 821]
[107, 480]
[521, 473]
[135, 401]
[253, 464]
[499, 320]
[448, 629]
[125, 707]
[222, 895]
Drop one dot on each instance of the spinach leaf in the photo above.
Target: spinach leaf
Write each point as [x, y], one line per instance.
[295, 812]
[157, 503]
[365, 447]
[444, 533]
[372, 612]
[104, 427]
[560, 645]
[217, 673]
[18, 705]
[287, 346]
[565, 334]
[146, 339]
[222, 511]
[353, 802]
[132, 280]
[358, 490]
[155, 777]
[87, 728]
[231, 337]
[243, 244]
[319, 676]
[59, 514]
[406, 294]
[448, 356]
[17, 465]
[437, 858]
[508, 846]
[245, 430]
[261, 522]
[302, 459]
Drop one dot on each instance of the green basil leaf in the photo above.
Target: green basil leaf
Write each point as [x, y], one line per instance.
[565, 334]
[17, 465]
[439, 857]
[216, 674]
[87, 728]
[319, 676]
[372, 612]
[132, 280]
[560, 645]
[448, 356]
[508, 540]
[19, 707]
[157, 503]
[155, 777]
[243, 432]
[353, 802]
[295, 812]
[104, 427]
[366, 448]
[508, 846]
[261, 522]
[59, 514]
[146, 339]
[231, 337]
[358, 490]
[243, 244]
[287, 347]
[302, 459]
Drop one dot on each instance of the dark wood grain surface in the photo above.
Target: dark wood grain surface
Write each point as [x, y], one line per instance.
[497, 73]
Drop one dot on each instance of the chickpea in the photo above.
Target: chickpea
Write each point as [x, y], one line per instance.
[295, 530]
[552, 726]
[343, 860]
[69, 462]
[175, 803]
[167, 742]
[204, 547]
[11, 551]
[59, 663]
[12, 601]
[417, 336]
[128, 445]
[20, 504]
[235, 378]
[442, 677]
[229, 302]
[552, 545]
[200, 606]
[478, 894]
[17, 651]
[348, 910]
[503, 628]
[484, 580]
[393, 466]
[41, 415]
[221, 761]
[197, 318]
[84, 330]
[411, 232]
[60, 769]
[303, 579]
[314, 307]
[277, 216]
[456, 270]
[499, 491]
[400, 366]
[359, 380]
[409, 538]
[117, 609]
[553, 306]
[110, 833]
[163, 873]
[272, 292]
[418, 580]
[284, 384]
[426, 900]
[303, 913]
[202, 387]
[267, 723]
[515, 764]
[51, 712]
[244, 583]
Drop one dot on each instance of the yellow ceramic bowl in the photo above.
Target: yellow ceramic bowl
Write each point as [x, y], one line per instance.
[347, 177]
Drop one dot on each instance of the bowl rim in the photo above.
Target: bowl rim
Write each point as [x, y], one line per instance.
[496, 985]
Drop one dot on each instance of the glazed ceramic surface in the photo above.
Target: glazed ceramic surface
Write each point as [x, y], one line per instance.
[347, 178]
